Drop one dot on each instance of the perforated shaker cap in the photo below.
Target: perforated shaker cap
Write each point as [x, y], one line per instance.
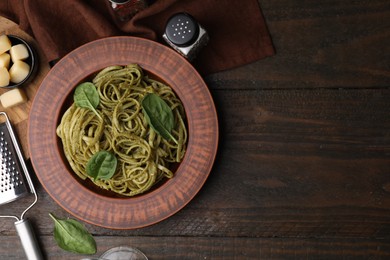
[182, 29]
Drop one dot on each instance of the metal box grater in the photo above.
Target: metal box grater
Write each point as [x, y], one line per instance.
[15, 182]
[12, 180]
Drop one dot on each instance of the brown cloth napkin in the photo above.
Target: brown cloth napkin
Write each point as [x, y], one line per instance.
[238, 33]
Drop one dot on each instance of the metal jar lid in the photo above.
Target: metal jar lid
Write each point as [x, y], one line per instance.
[182, 30]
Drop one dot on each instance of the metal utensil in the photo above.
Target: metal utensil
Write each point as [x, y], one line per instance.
[15, 182]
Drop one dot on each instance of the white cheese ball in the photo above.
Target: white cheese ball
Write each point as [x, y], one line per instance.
[19, 71]
[5, 59]
[18, 52]
[4, 77]
[5, 43]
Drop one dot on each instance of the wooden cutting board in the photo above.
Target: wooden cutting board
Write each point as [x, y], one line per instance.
[19, 114]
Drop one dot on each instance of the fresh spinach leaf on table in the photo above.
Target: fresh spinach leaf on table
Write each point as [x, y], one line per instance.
[72, 236]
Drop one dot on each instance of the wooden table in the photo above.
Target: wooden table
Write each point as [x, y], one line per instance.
[303, 169]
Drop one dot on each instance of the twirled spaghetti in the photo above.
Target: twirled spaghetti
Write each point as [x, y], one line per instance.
[144, 157]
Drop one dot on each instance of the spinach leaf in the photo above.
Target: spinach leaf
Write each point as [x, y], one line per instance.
[72, 236]
[102, 165]
[86, 96]
[159, 115]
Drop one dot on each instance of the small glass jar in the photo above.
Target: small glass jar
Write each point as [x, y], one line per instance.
[123, 252]
[124, 10]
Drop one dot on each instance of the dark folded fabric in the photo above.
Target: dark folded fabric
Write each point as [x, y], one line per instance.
[237, 30]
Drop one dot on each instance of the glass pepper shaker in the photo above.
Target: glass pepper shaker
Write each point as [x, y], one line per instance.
[124, 10]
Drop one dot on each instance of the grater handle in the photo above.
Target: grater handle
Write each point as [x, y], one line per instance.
[28, 239]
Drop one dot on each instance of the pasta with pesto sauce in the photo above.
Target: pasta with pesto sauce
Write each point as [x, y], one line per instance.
[144, 157]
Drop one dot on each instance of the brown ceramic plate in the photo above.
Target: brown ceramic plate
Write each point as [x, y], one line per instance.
[92, 205]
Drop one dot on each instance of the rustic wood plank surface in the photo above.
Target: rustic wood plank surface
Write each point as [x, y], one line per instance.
[303, 168]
